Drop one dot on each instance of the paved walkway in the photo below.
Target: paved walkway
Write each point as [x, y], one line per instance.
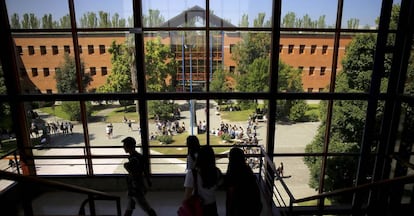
[291, 138]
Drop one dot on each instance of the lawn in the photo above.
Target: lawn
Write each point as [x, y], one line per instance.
[236, 116]
[180, 141]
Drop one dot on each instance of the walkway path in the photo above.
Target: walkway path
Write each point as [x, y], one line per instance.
[289, 138]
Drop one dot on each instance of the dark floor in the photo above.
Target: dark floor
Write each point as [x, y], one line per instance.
[165, 203]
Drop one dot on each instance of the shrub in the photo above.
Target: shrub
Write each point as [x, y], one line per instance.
[166, 139]
[226, 137]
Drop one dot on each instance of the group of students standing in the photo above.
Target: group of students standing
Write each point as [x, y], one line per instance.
[242, 191]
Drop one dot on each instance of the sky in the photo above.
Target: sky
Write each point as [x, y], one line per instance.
[365, 10]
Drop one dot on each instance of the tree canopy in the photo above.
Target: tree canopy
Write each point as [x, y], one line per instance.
[66, 81]
[348, 118]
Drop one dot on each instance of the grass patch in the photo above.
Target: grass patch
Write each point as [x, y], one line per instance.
[118, 114]
[56, 111]
[179, 140]
[242, 115]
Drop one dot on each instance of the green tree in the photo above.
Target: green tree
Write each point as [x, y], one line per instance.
[160, 65]
[104, 21]
[244, 21]
[30, 21]
[47, 21]
[118, 22]
[153, 19]
[348, 116]
[66, 81]
[64, 22]
[5, 112]
[89, 20]
[120, 78]
[289, 20]
[353, 23]
[15, 21]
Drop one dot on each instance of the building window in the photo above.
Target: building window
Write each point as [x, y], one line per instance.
[66, 48]
[232, 69]
[290, 51]
[34, 72]
[80, 49]
[310, 90]
[90, 49]
[232, 46]
[313, 49]
[55, 50]
[92, 70]
[324, 49]
[49, 91]
[31, 50]
[46, 72]
[101, 49]
[300, 68]
[301, 49]
[321, 89]
[19, 50]
[311, 71]
[323, 69]
[104, 71]
[280, 48]
[43, 50]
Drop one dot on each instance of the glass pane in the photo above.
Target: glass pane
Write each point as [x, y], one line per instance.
[60, 166]
[108, 59]
[348, 121]
[361, 14]
[46, 63]
[112, 121]
[246, 14]
[56, 130]
[296, 175]
[304, 14]
[251, 61]
[173, 13]
[305, 62]
[340, 173]
[297, 128]
[37, 14]
[109, 165]
[103, 14]
[355, 65]
[222, 66]
[165, 68]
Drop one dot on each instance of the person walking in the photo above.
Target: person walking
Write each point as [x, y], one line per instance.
[109, 130]
[209, 178]
[193, 147]
[242, 190]
[137, 173]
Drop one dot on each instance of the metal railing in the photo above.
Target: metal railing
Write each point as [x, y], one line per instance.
[93, 195]
[283, 202]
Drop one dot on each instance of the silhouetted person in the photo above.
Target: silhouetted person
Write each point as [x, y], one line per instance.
[208, 179]
[137, 172]
[193, 146]
[242, 190]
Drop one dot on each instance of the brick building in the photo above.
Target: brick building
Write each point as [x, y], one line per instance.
[41, 54]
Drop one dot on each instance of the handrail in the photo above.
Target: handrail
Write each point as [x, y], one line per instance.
[386, 182]
[367, 186]
[62, 186]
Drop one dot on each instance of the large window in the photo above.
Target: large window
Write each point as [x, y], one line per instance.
[228, 81]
